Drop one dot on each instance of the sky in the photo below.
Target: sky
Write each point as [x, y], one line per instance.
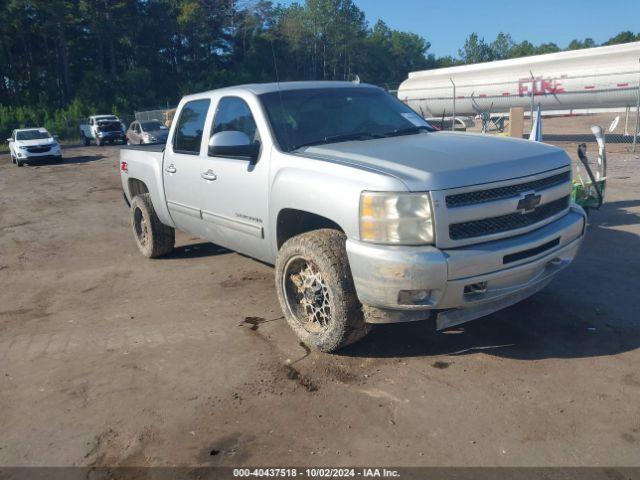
[447, 23]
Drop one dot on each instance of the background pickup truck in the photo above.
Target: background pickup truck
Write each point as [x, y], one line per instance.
[102, 129]
[368, 215]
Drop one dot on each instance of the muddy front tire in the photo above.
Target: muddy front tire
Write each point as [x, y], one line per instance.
[316, 290]
[154, 239]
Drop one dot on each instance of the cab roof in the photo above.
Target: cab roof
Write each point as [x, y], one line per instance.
[262, 88]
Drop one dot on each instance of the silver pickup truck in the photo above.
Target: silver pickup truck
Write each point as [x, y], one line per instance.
[367, 213]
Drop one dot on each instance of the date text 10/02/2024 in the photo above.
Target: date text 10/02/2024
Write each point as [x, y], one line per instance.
[316, 472]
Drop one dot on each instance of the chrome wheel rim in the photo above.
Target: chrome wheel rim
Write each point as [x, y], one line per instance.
[307, 295]
[141, 228]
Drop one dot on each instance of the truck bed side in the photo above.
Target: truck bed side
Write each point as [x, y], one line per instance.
[144, 174]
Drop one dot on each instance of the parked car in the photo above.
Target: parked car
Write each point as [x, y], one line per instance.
[103, 129]
[151, 131]
[368, 215]
[30, 144]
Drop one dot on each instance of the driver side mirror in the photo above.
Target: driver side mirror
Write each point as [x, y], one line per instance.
[9, 140]
[233, 144]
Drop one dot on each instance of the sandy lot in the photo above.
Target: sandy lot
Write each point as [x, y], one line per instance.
[568, 131]
[107, 358]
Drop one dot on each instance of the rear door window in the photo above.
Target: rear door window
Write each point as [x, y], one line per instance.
[188, 135]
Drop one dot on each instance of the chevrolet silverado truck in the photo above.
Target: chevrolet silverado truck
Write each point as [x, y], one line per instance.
[368, 214]
[102, 129]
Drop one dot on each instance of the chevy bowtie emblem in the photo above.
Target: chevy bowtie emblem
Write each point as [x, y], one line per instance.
[529, 202]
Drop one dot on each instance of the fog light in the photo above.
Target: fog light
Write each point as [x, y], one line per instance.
[475, 288]
[414, 297]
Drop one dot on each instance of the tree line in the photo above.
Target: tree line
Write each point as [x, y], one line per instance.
[476, 49]
[64, 59]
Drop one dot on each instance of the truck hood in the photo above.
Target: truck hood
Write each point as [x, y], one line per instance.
[443, 160]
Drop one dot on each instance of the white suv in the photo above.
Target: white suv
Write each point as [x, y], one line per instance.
[29, 144]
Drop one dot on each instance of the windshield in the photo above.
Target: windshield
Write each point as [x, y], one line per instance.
[109, 118]
[327, 115]
[32, 135]
[152, 125]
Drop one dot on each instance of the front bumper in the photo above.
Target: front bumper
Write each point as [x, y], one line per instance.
[464, 283]
[158, 140]
[111, 135]
[53, 154]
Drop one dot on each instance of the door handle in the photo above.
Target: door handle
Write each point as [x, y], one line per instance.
[171, 169]
[209, 175]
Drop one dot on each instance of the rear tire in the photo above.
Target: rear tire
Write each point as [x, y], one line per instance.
[86, 141]
[316, 290]
[154, 239]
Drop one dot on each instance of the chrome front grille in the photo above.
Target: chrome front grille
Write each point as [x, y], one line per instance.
[481, 196]
[493, 211]
[504, 223]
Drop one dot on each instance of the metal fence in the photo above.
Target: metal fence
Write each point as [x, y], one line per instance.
[616, 101]
[164, 115]
[572, 129]
[67, 129]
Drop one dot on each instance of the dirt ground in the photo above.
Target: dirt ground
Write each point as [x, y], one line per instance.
[570, 130]
[107, 358]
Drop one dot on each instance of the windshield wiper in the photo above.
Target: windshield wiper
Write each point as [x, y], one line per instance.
[340, 138]
[407, 131]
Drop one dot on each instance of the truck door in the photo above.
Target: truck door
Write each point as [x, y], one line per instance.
[234, 194]
[181, 167]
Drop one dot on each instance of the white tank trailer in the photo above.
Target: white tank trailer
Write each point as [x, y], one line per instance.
[602, 77]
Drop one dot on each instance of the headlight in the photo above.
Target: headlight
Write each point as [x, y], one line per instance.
[22, 147]
[396, 218]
